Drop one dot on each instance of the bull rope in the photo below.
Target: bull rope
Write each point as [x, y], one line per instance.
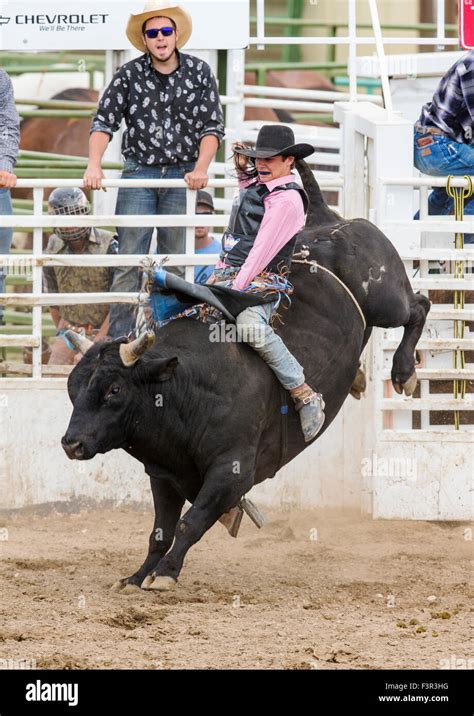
[305, 253]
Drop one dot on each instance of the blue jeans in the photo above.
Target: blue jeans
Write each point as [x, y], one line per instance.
[6, 236]
[253, 323]
[171, 240]
[441, 157]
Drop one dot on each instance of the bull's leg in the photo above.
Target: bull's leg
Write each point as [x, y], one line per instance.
[403, 366]
[168, 505]
[223, 487]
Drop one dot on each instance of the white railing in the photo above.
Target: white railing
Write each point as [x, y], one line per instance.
[36, 261]
[438, 343]
[377, 164]
[326, 96]
[435, 343]
[388, 193]
[299, 100]
[353, 41]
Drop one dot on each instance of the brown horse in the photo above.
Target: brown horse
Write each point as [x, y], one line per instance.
[292, 79]
[57, 135]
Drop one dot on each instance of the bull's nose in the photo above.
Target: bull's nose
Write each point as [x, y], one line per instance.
[74, 450]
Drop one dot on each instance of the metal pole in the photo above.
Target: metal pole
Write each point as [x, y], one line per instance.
[37, 284]
[260, 21]
[352, 50]
[381, 55]
[190, 230]
[234, 112]
[440, 22]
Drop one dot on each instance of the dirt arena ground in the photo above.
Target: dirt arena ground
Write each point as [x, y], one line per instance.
[312, 590]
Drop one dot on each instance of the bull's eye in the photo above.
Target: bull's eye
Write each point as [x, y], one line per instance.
[113, 390]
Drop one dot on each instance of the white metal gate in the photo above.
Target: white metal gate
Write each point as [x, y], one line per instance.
[422, 472]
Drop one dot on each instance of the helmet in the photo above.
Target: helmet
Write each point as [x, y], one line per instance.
[67, 202]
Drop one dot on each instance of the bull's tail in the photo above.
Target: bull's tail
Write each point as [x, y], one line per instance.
[319, 212]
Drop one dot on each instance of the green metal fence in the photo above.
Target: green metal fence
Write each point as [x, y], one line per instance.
[17, 63]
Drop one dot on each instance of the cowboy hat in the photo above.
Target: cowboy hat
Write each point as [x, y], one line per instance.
[203, 197]
[274, 140]
[157, 8]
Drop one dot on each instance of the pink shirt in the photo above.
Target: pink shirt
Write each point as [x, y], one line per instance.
[284, 217]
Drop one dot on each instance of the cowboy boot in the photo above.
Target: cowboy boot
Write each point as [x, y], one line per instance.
[310, 406]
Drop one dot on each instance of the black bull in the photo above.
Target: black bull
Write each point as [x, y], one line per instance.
[204, 417]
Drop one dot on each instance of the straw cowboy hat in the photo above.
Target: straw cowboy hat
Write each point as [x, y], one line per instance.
[155, 8]
[274, 140]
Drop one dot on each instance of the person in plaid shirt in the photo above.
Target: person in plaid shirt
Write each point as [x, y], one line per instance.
[443, 137]
[9, 143]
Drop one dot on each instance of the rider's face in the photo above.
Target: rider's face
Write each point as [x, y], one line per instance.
[273, 168]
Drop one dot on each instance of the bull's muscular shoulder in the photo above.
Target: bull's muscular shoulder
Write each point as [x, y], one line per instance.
[356, 238]
[350, 230]
[331, 242]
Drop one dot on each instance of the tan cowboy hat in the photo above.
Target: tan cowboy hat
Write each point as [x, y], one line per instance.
[155, 8]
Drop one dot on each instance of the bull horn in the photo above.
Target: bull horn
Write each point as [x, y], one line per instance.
[79, 342]
[130, 353]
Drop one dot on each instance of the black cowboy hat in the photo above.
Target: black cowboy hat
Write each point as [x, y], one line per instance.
[274, 140]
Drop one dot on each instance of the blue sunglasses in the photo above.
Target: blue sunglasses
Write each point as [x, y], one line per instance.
[154, 32]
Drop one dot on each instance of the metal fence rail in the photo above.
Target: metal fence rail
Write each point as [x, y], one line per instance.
[352, 40]
[33, 263]
[435, 340]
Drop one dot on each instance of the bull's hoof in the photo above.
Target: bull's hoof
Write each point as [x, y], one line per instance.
[410, 386]
[160, 583]
[130, 589]
[118, 586]
[359, 385]
[397, 387]
[123, 586]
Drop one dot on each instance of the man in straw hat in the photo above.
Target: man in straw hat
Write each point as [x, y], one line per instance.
[257, 248]
[174, 124]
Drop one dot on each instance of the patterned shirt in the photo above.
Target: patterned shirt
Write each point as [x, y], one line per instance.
[9, 124]
[81, 279]
[166, 115]
[452, 106]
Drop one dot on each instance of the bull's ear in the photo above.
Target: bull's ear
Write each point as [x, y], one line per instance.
[161, 369]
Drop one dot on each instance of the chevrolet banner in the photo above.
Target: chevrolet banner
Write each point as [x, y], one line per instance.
[89, 25]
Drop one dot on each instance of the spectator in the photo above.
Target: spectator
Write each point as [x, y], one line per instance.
[444, 142]
[204, 242]
[9, 143]
[170, 103]
[91, 320]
